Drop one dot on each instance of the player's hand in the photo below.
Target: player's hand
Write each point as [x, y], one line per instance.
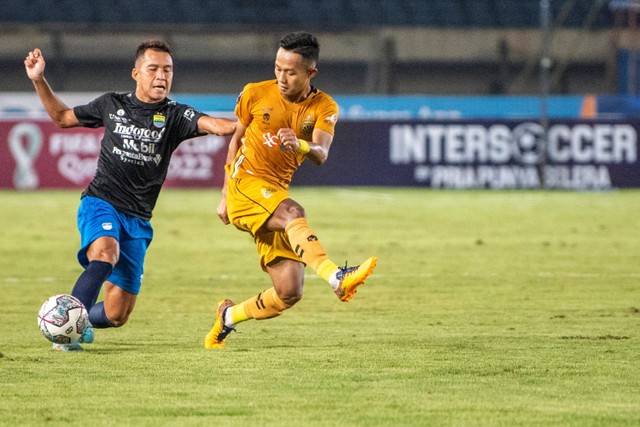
[288, 140]
[222, 211]
[34, 64]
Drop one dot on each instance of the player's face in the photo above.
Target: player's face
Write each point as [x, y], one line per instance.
[153, 75]
[293, 75]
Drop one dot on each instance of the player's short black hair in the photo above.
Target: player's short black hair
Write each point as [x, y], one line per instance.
[157, 45]
[302, 43]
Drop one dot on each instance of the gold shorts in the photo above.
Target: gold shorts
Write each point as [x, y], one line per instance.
[250, 203]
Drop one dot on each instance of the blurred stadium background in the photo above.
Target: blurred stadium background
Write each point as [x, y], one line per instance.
[446, 47]
[390, 60]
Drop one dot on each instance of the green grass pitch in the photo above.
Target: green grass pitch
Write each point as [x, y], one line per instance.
[486, 309]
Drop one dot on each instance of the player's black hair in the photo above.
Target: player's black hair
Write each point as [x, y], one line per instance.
[302, 43]
[157, 45]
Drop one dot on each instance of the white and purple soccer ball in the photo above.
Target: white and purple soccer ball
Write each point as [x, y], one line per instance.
[62, 319]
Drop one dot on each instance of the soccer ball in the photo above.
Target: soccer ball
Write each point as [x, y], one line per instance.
[62, 319]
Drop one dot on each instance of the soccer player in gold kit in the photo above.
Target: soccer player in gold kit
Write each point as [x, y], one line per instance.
[281, 122]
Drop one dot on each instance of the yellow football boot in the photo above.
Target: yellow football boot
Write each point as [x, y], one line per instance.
[352, 277]
[217, 334]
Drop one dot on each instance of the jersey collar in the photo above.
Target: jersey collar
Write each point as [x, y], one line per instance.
[153, 105]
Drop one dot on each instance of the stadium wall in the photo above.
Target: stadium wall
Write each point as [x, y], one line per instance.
[376, 60]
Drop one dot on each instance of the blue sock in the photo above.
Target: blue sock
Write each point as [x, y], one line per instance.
[98, 317]
[87, 288]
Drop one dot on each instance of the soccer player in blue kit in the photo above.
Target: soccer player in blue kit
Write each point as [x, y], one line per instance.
[142, 129]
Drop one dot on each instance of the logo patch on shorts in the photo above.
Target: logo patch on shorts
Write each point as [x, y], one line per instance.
[107, 226]
[267, 192]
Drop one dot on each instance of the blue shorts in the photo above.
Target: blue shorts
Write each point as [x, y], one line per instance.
[97, 218]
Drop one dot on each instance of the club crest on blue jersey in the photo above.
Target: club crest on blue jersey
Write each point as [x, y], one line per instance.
[158, 120]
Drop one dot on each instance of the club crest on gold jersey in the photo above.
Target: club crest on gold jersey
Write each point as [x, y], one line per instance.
[307, 126]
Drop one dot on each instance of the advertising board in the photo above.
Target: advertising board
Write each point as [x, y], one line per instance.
[461, 154]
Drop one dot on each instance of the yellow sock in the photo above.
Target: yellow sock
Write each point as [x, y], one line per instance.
[237, 314]
[307, 246]
[265, 305]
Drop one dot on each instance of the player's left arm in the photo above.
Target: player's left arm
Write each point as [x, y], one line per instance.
[317, 150]
[216, 125]
[319, 146]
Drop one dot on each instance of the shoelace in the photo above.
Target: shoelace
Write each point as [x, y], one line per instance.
[347, 270]
[226, 330]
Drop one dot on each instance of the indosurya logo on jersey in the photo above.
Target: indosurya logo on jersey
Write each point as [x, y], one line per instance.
[158, 120]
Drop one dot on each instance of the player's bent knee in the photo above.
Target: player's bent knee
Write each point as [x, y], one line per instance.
[118, 318]
[118, 321]
[106, 249]
[290, 298]
[294, 210]
[104, 255]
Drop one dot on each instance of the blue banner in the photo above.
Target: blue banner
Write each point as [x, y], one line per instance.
[415, 107]
[492, 154]
[422, 107]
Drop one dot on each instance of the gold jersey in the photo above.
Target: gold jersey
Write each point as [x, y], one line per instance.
[263, 111]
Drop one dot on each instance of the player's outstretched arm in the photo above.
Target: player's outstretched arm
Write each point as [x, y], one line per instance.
[234, 146]
[216, 126]
[61, 115]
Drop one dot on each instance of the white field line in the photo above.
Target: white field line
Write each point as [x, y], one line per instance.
[45, 279]
[587, 275]
[365, 195]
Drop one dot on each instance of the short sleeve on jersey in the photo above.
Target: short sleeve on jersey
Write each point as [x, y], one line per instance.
[90, 115]
[327, 116]
[243, 111]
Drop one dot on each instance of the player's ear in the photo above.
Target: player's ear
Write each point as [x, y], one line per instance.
[134, 74]
[311, 72]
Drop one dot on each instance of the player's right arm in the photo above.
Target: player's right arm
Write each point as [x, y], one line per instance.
[234, 146]
[61, 115]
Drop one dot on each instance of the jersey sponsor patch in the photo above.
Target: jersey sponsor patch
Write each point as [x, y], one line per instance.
[270, 140]
[331, 119]
[119, 117]
[189, 114]
[107, 226]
